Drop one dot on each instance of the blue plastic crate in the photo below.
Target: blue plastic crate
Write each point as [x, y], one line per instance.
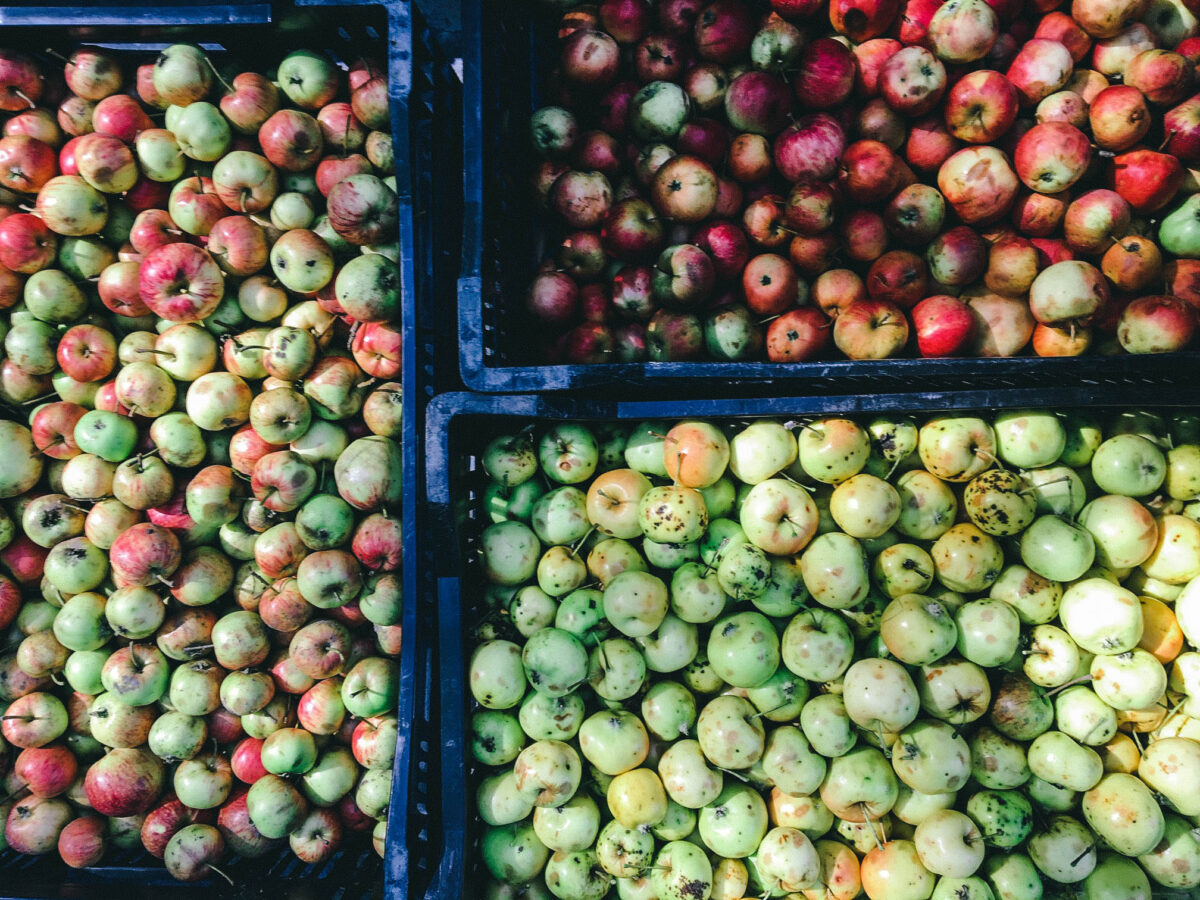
[506, 50]
[344, 29]
[458, 426]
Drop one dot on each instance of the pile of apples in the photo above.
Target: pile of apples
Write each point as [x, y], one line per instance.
[800, 179]
[200, 544]
[813, 659]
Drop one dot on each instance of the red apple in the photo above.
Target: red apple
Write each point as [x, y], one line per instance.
[978, 183]
[1157, 324]
[1052, 156]
[870, 329]
[944, 326]
[810, 148]
[1119, 118]
[826, 74]
[798, 335]
[981, 107]
[1039, 69]
[1147, 179]
[180, 282]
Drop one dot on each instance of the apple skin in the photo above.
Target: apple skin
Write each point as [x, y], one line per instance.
[1052, 156]
[181, 282]
[1040, 68]
[1147, 179]
[125, 782]
[871, 329]
[1119, 118]
[810, 148]
[978, 183]
[1157, 324]
[944, 326]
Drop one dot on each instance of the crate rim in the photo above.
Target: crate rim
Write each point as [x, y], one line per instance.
[152, 12]
[444, 408]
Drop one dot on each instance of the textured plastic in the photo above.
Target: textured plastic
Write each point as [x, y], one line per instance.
[458, 426]
[504, 49]
[344, 29]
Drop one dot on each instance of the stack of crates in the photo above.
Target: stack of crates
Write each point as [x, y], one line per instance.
[478, 375]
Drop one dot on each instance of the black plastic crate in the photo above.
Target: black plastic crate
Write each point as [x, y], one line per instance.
[506, 50]
[254, 31]
[458, 427]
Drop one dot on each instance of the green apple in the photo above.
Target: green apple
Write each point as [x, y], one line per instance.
[1065, 851]
[927, 506]
[734, 823]
[1005, 818]
[1029, 439]
[1179, 231]
[832, 450]
[1057, 549]
[1056, 758]
[1124, 813]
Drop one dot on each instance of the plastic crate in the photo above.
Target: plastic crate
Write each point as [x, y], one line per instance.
[343, 29]
[457, 428]
[506, 51]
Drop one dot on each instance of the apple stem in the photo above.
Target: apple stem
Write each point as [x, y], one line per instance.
[786, 477]
[870, 824]
[225, 84]
[54, 677]
[1137, 741]
[887, 752]
[367, 383]
[261, 222]
[40, 399]
[987, 454]
[19, 792]
[213, 868]
[1083, 679]
[25, 207]
[166, 353]
[1166, 140]
[162, 580]
[575, 547]
[81, 509]
[20, 93]
[767, 712]
[1077, 860]
[173, 230]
